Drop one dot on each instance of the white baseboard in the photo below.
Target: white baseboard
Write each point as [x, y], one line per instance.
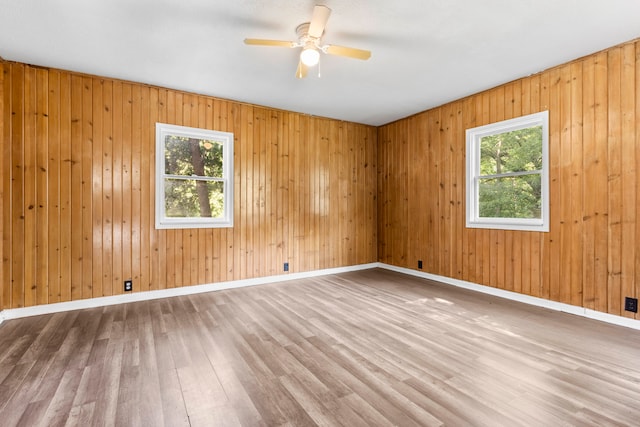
[16, 313]
[37, 310]
[527, 299]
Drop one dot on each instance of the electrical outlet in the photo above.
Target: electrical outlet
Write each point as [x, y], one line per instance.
[420, 264]
[286, 266]
[128, 285]
[631, 304]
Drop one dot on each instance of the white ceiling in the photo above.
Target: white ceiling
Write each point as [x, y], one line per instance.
[424, 52]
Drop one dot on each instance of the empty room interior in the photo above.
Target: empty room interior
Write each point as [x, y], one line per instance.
[363, 213]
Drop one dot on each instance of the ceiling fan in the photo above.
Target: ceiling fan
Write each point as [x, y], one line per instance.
[310, 39]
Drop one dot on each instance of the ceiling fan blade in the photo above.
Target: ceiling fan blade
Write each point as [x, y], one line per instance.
[263, 42]
[347, 51]
[319, 20]
[301, 72]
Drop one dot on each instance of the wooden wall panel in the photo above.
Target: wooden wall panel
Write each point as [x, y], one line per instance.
[5, 155]
[78, 186]
[589, 257]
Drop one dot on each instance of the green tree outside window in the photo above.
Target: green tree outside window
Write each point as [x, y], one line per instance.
[190, 163]
[510, 184]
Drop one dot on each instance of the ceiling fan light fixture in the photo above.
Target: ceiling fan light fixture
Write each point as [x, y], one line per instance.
[309, 37]
[310, 56]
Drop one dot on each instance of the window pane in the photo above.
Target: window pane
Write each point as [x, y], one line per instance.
[190, 198]
[511, 197]
[192, 156]
[515, 151]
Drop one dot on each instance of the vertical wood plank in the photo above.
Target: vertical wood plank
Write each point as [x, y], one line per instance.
[600, 184]
[576, 265]
[97, 183]
[470, 273]
[86, 201]
[3, 283]
[118, 229]
[294, 143]
[271, 195]
[629, 189]
[106, 187]
[636, 122]
[434, 220]
[54, 164]
[259, 182]
[614, 182]
[282, 190]
[5, 191]
[66, 176]
[146, 188]
[589, 162]
[458, 166]
[552, 242]
[76, 149]
[302, 258]
[446, 236]
[372, 178]
[561, 291]
[246, 140]
[29, 173]
[229, 119]
[125, 174]
[30, 169]
[334, 199]
[138, 257]
[42, 179]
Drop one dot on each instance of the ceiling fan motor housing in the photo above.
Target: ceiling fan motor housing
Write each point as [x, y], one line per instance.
[302, 31]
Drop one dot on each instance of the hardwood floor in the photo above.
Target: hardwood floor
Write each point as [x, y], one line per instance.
[369, 348]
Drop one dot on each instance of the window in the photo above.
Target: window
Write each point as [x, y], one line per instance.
[194, 177]
[508, 174]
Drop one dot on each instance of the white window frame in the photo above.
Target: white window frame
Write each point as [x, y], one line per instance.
[474, 136]
[226, 139]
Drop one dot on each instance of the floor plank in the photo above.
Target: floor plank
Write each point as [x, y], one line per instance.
[356, 349]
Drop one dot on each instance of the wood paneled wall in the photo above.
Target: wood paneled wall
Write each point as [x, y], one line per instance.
[591, 256]
[77, 191]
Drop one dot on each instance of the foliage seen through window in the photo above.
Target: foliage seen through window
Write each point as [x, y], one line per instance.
[510, 183]
[187, 162]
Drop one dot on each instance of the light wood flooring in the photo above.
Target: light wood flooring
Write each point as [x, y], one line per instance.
[370, 348]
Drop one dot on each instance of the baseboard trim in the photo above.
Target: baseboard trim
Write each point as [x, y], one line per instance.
[37, 310]
[526, 299]
[16, 313]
